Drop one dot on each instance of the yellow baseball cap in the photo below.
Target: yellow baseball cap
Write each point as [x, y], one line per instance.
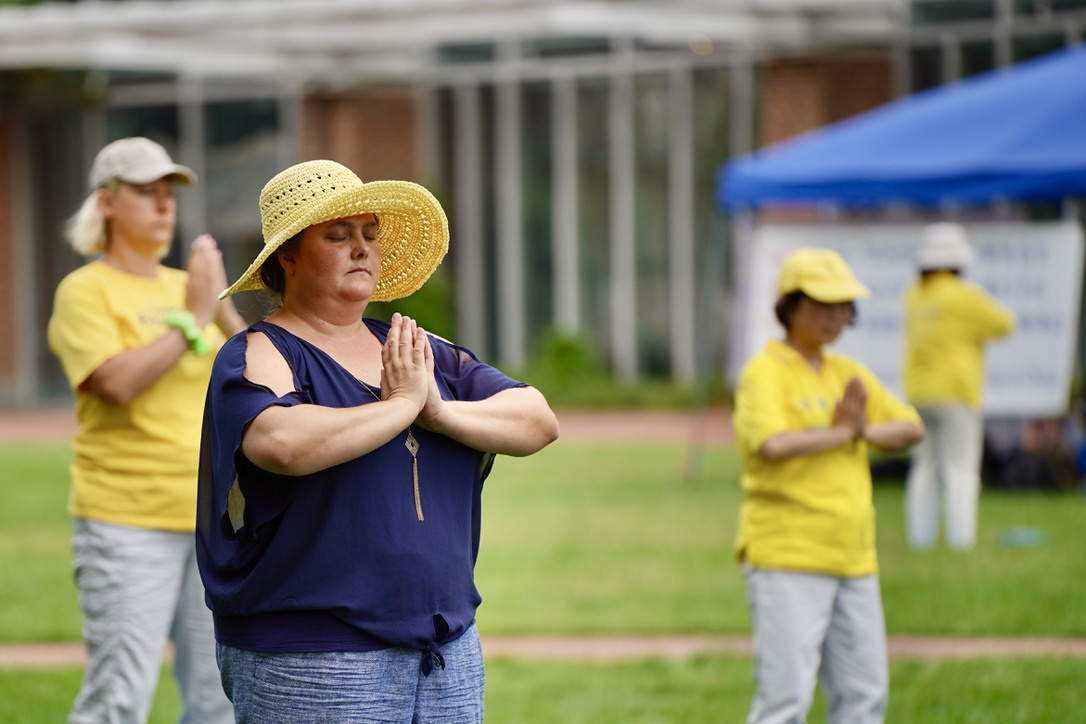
[821, 274]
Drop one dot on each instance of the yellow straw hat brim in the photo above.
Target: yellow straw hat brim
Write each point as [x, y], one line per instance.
[411, 225]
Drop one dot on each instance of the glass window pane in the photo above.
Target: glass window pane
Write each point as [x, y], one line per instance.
[465, 53]
[1031, 47]
[243, 152]
[1046, 8]
[1064, 5]
[926, 68]
[593, 204]
[711, 118]
[536, 209]
[159, 123]
[977, 57]
[57, 181]
[651, 125]
[939, 12]
[556, 47]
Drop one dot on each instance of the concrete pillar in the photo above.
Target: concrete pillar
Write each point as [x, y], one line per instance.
[623, 230]
[564, 207]
[469, 229]
[192, 147]
[508, 194]
[681, 294]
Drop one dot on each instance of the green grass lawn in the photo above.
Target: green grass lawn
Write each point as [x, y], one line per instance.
[705, 690]
[611, 538]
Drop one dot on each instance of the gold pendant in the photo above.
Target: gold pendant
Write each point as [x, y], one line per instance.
[413, 447]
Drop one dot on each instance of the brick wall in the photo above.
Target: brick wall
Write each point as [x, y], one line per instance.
[803, 93]
[372, 132]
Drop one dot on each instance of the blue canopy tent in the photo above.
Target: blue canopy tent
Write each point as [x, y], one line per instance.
[1016, 133]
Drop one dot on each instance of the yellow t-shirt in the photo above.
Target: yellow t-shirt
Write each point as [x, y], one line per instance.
[133, 464]
[947, 323]
[806, 512]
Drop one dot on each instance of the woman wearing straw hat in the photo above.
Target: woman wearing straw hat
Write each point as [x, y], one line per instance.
[136, 340]
[804, 418]
[342, 468]
[948, 322]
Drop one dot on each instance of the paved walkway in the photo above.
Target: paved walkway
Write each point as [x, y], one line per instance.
[47, 424]
[609, 648]
[707, 426]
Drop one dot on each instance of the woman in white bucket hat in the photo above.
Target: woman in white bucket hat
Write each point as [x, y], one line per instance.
[948, 322]
[136, 340]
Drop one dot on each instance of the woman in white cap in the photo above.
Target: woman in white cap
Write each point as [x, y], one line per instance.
[804, 418]
[342, 468]
[948, 322]
[136, 340]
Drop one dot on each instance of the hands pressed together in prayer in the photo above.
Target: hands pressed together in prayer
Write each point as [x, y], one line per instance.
[207, 277]
[851, 410]
[407, 362]
[408, 369]
[513, 422]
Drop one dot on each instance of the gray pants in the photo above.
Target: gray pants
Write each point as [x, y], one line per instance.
[138, 587]
[944, 473]
[806, 625]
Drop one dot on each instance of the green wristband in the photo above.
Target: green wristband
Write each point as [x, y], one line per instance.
[186, 322]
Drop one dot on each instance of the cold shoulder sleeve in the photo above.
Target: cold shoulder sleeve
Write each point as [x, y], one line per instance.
[232, 403]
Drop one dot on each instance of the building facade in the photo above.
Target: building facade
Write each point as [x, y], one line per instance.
[574, 145]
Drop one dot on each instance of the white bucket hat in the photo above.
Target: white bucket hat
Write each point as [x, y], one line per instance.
[945, 245]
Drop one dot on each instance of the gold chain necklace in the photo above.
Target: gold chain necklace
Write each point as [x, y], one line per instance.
[412, 446]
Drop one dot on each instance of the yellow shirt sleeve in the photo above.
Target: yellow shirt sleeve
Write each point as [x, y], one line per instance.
[761, 405]
[82, 334]
[882, 405]
[987, 318]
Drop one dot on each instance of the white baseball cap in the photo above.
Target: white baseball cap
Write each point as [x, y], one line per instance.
[136, 160]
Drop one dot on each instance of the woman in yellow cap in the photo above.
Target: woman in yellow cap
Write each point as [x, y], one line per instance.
[342, 468]
[804, 418]
[136, 340]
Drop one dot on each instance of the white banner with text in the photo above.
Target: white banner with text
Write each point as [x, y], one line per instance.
[1033, 268]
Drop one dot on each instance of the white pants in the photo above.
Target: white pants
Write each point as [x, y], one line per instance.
[806, 625]
[945, 474]
[138, 587]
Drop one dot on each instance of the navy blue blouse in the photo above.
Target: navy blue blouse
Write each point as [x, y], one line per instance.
[338, 560]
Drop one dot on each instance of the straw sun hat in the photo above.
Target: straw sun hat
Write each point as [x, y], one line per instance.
[411, 225]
